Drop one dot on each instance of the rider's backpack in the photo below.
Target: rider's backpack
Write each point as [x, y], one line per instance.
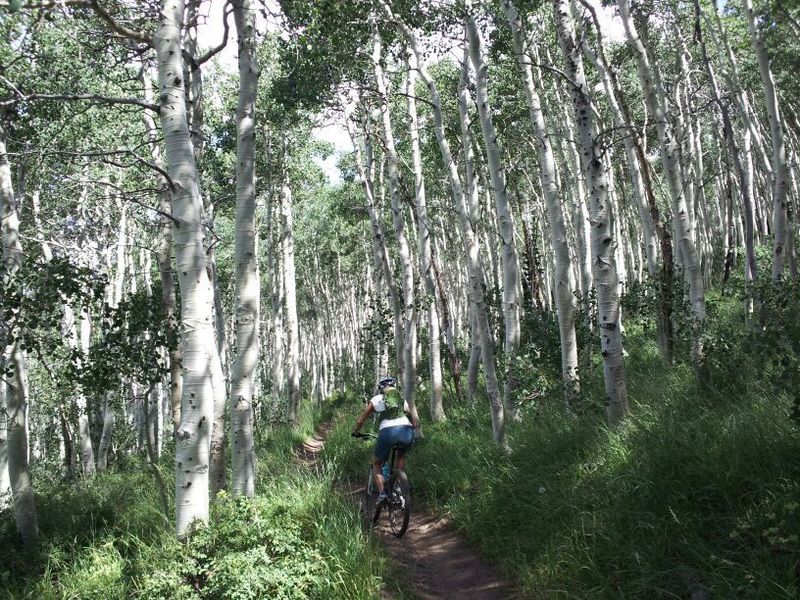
[393, 403]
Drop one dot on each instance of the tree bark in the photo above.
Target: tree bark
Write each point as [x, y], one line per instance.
[409, 372]
[603, 242]
[247, 291]
[780, 169]
[547, 171]
[168, 300]
[425, 254]
[194, 431]
[511, 304]
[655, 100]
[15, 381]
[292, 326]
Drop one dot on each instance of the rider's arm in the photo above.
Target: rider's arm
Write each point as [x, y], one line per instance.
[364, 416]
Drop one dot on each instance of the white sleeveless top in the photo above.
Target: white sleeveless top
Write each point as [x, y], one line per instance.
[379, 405]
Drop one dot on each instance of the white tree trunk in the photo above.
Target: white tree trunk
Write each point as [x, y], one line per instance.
[654, 100]
[366, 171]
[471, 244]
[168, 300]
[467, 207]
[247, 291]
[780, 170]
[548, 177]
[424, 237]
[603, 243]
[409, 372]
[15, 382]
[79, 334]
[292, 326]
[197, 340]
[6, 497]
[511, 304]
[104, 448]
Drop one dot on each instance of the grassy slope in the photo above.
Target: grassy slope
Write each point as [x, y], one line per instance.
[698, 489]
[106, 539]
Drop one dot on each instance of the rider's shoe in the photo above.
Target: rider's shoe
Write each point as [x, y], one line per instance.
[381, 498]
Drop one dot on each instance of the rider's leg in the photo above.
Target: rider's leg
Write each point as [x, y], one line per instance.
[377, 474]
[400, 460]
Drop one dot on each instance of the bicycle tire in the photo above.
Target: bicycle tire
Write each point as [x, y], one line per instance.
[399, 502]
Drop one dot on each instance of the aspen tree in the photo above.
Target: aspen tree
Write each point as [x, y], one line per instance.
[425, 253]
[409, 371]
[780, 170]
[668, 144]
[547, 172]
[248, 291]
[193, 436]
[15, 362]
[290, 290]
[505, 218]
[601, 208]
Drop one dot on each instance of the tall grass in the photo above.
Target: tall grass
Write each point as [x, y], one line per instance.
[106, 538]
[699, 489]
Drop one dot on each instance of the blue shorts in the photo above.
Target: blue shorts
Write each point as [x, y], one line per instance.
[389, 436]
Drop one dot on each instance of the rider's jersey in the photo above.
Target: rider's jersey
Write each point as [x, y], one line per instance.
[379, 405]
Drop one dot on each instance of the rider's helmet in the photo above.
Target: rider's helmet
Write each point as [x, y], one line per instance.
[386, 382]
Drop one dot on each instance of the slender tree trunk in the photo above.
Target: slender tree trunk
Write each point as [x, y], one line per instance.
[104, 447]
[780, 170]
[745, 182]
[247, 293]
[425, 254]
[511, 304]
[78, 332]
[6, 497]
[548, 176]
[466, 218]
[409, 373]
[654, 100]
[15, 363]
[467, 207]
[448, 327]
[168, 300]
[219, 381]
[293, 328]
[197, 404]
[603, 242]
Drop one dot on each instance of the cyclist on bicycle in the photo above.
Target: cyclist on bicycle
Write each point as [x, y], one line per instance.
[395, 428]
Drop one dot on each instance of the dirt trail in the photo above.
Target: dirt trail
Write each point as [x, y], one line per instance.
[435, 561]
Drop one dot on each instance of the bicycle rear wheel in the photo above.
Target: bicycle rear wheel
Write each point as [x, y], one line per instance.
[399, 502]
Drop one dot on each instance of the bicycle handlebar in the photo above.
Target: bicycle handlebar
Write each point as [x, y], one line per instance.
[364, 435]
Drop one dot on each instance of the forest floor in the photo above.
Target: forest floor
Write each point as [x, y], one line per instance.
[432, 560]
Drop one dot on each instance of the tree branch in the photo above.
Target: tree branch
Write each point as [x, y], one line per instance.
[120, 29]
[80, 97]
[226, 11]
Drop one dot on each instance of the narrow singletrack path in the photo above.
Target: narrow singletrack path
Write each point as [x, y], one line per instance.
[435, 561]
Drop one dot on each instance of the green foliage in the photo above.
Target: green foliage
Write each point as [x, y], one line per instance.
[33, 298]
[106, 538]
[252, 549]
[698, 488]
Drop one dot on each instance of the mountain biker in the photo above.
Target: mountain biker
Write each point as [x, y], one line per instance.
[395, 428]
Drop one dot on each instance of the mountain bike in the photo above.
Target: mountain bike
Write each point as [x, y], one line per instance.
[398, 493]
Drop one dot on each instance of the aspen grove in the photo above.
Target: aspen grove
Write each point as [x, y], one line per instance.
[224, 220]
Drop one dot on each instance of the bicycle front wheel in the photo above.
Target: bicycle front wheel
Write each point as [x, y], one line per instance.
[399, 503]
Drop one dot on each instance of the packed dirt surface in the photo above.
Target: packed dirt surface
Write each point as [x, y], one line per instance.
[434, 561]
